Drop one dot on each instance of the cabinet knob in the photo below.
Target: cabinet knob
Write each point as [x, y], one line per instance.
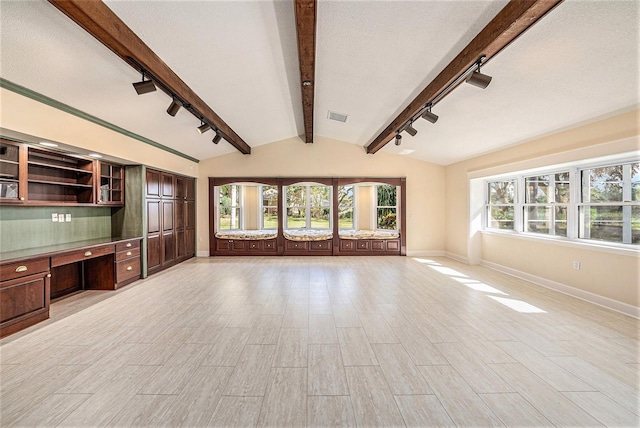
[21, 268]
[128, 244]
[129, 268]
[87, 254]
[128, 253]
[48, 275]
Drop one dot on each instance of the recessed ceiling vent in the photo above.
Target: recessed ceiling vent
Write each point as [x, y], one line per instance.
[340, 117]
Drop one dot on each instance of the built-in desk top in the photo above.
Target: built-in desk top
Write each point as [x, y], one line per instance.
[58, 248]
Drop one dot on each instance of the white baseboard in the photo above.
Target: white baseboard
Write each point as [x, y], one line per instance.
[425, 253]
[204, 253]
[457, 257]
[614, 305]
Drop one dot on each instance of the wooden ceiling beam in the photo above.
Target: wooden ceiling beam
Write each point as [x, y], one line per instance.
[100, 21]
[306, 31]
[513, 20]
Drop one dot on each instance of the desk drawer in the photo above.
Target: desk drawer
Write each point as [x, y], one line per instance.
[127, 245]
[127, 269]
[84, 254]
[123, 255]
[24, 268]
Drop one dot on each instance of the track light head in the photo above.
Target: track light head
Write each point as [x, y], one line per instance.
[398, 139]
[411, 130]
[144, 87]
[478, 79]
[203, 128]
[216, 139]
[174, 107]
[427, 115]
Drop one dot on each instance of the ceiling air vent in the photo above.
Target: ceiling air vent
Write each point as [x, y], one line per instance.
[337, 116]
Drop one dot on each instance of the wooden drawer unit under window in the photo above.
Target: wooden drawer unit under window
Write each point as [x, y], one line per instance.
[319, 245]
[347, 245]
[393, 245]
[254, 245]
[296, 245]
[270, 245]
[363, 244]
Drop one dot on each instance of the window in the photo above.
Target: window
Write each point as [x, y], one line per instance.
[346, 207]
[546, 203]
[610, 203]
[386, 207]
[269, 200]
[229, 211]
[308, 207]
[500, 206]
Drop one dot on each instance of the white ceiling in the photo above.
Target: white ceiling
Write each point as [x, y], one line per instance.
[579, 63]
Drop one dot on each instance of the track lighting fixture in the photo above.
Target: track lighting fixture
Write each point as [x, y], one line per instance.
[478, 79]
[427, 115]
[145, 86]
[410, 129]
[217, 138]
[203, 128]
[398, 139]
[174, 107]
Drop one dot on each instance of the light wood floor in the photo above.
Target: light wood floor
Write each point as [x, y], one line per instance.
[335, 341]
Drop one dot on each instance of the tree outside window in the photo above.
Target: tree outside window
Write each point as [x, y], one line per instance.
[346, 204]
[308, 207]
[500, 204]
[269, 207]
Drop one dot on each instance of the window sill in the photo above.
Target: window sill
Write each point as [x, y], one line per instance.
[611, 248]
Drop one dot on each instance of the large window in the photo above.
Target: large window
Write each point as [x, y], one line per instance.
[501, 196]
[610, 203]
[546, 201]
[308, 207]
[386, 207]
[346, 207]
[229, 197]
[269, 201]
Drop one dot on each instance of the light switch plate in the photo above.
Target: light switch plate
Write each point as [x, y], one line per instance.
[68, 217]
[54, 217]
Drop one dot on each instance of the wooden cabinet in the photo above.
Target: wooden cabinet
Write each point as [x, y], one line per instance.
[24, 294]
[171, 219]
[111, 184]
[127, 262]
[11, 174]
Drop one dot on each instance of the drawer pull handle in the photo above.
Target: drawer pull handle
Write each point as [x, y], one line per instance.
[129, 268]
[22, 268]
[128, 253]
[128, 244]
[87, 253]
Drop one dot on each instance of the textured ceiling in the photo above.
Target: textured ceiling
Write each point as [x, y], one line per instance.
[577, 64]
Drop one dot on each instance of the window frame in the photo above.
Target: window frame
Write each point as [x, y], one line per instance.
[239, 207]
[262, 206]
[376, 206]
[517, 213]
[307, 206]
[553, 204]
[353, 206]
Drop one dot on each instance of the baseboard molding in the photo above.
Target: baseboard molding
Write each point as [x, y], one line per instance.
[425, 253]
[605, 302]
[202, 253]
[456, 257]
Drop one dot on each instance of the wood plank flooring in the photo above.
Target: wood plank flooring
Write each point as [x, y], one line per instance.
[323, 341]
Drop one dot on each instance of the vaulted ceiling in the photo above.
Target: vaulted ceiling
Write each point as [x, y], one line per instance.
[579, 63]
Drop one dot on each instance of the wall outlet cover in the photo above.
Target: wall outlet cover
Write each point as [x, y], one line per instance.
[54, 217]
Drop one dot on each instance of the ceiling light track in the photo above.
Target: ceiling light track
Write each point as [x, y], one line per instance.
[470, 75]
[176, 101]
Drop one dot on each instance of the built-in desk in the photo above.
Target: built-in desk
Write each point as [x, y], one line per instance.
[30, 278]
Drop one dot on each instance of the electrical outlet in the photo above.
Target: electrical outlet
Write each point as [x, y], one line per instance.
[68, 217]
[576, 265]
[54, 217]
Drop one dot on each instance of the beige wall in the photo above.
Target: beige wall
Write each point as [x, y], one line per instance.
[331, 158]
[31, 117]
[551, 261]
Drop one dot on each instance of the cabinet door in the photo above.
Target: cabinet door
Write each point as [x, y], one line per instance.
[153, 252]
[190, 240]
[189, 214]
[168, 248]
[12, 178]
[190, 189]
[181, 243]
[167, 216]
[153, 183]
[181, 189]
[153, 217]
[167, 186]
[180, 211]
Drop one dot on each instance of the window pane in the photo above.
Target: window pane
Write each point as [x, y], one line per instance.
[386, 195]
[603, 223]
[635, 225]
[296, 218]
[537, 190]
[296, 196]
[269, 218]
[538, 219]
[320, 196]
[562, 192]
[602, 184]
[561, 221]
[386, 218]
[501, 192]
[501, 217]
[269, 196]
[229, 195]
[635, 182]
[320, 218]
[229, 218]
[345, 207]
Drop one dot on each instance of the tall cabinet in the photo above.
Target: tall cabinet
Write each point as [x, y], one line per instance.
[170, 205]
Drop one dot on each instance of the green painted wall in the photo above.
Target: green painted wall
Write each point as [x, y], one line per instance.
[30, 227]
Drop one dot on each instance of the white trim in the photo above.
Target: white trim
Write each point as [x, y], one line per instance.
[456, 257]
[601, 247]
[426, 253]
[202, 253]
[614, 305]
